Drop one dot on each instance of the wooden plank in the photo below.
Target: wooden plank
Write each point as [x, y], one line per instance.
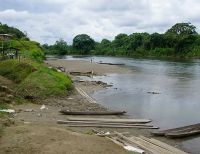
[135, 143]
[84, 94]
[166, 146]
[110, 126]
[110, 120]
[100, 122]
[66, 112]
[155, 148]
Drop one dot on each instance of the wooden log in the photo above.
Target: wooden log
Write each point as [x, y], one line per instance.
[111, 63]
[92, 112]
[111, 120]
[100, 122]
[110, 126]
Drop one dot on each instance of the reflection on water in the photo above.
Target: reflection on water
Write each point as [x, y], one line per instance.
[177, 82]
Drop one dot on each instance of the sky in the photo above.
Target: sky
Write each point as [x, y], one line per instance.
[46, 21]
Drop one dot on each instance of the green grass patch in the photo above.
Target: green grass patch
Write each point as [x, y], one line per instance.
[44, 83]
[3, 114]
[28, 49]
[15, 70]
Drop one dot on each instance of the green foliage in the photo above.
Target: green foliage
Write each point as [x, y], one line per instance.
[60, 48]
[182, 29]
[15, 70]
[83, 44]
[5, 29]
[180, 40]
[30, 49]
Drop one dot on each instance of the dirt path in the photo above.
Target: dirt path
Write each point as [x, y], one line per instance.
[48, 139]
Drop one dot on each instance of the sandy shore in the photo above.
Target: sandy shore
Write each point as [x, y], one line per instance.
[86, 66]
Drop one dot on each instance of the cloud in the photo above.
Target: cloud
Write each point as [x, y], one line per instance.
[48, 20]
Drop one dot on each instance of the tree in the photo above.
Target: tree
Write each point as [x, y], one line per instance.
[61, 47]
[120, 40]
[5, 29]
[157, 41]
[83, 43]
[182, 29]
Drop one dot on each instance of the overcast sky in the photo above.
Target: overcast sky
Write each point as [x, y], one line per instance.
[48, 20]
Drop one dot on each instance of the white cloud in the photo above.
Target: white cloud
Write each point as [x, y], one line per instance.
[48, 20]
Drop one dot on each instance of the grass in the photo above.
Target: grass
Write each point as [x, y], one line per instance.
[45, 83]
[35, 79]
[15, 70]
[30, 49]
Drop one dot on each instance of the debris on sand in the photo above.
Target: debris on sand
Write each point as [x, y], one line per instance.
[7, 110]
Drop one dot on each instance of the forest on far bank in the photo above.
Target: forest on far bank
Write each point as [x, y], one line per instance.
[181, 40]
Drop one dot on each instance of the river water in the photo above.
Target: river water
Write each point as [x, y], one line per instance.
[178, 85]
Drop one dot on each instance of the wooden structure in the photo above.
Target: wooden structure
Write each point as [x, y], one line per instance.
[7, 51]
[179, 132]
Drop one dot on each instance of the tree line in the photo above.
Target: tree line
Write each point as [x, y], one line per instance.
[180, 40]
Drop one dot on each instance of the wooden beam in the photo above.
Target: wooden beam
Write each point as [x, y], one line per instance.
[164, 145]
[100, 123]
[110, 126]
[111, 120]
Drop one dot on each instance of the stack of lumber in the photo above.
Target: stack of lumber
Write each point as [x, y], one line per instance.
[180, 131]
[107, 123]
[149, 145]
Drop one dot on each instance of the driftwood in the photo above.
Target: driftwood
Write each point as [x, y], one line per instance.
[66, 112]
[82, 73]
[180, 131]
[106, 120]
[111, 63]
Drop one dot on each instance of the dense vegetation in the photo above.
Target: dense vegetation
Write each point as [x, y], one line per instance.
[17, 34]
[181, 40]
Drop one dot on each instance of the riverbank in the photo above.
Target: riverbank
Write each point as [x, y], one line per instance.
[41, 123]
[38, 120]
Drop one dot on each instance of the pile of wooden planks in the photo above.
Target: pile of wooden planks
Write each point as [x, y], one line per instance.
[107, 123]
[143, 144]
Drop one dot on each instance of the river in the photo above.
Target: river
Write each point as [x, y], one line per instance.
[178, 85]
